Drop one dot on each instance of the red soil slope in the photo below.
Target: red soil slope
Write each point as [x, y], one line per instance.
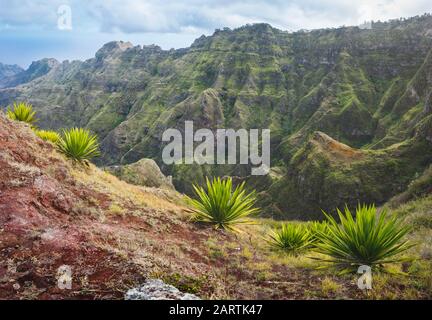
[54, 213]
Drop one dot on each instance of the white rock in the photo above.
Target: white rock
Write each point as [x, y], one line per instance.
[155, 289]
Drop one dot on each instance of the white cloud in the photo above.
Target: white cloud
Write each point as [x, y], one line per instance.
[183, 16]
[28, 13]
[28, 28]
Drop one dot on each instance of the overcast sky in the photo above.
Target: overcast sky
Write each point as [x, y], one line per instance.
[29, 29]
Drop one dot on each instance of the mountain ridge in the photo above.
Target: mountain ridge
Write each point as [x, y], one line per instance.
[366, 88]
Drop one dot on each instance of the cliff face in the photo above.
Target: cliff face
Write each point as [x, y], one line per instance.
[369, 89]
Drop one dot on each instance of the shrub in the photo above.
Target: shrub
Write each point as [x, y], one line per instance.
[222, 206]
[78, 144]
[22, 112]
[368, 239]
[48, 135]
[291, 238]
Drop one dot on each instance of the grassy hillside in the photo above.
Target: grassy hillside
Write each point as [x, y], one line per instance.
[116, 235]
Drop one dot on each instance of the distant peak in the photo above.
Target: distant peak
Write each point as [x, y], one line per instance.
[334, 148]
[51, 62]
[9, 65]
[9, 70]
[152, 48]
[113, 47]
[260, 26]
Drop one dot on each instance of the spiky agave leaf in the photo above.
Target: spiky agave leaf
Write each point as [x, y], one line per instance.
[220, 205]
[291, 238]
[314, 228]
[368, 239]
[78, 144]
[22, 111]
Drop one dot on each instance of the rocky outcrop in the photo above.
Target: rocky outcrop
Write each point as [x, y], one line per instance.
[112, 49]
[145, 172]
[155, 289]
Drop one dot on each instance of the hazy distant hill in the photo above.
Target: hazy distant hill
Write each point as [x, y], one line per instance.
[9, 70]
[36, 70]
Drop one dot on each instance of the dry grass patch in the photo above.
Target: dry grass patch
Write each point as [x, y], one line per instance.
[122, 192]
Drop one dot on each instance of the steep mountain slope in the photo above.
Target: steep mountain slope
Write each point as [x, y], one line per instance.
[325, 174]
[114, 236]
[54, 214]
[368, 89]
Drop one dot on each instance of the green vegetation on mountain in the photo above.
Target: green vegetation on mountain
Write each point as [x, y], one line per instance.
[145, 172]
[349, 109]
[139, 233]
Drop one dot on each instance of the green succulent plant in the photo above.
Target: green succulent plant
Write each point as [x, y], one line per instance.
[22, 111]
[290, 238]
[48, 135]
[314, 228]
[223, 205]
[369, 238]
[78, 144]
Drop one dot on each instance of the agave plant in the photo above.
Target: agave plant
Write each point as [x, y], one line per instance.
[291, 238]
[22, 112]
[78, 144]
[48, 135]
[222, 206]
[368, 239]
[315, 228]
